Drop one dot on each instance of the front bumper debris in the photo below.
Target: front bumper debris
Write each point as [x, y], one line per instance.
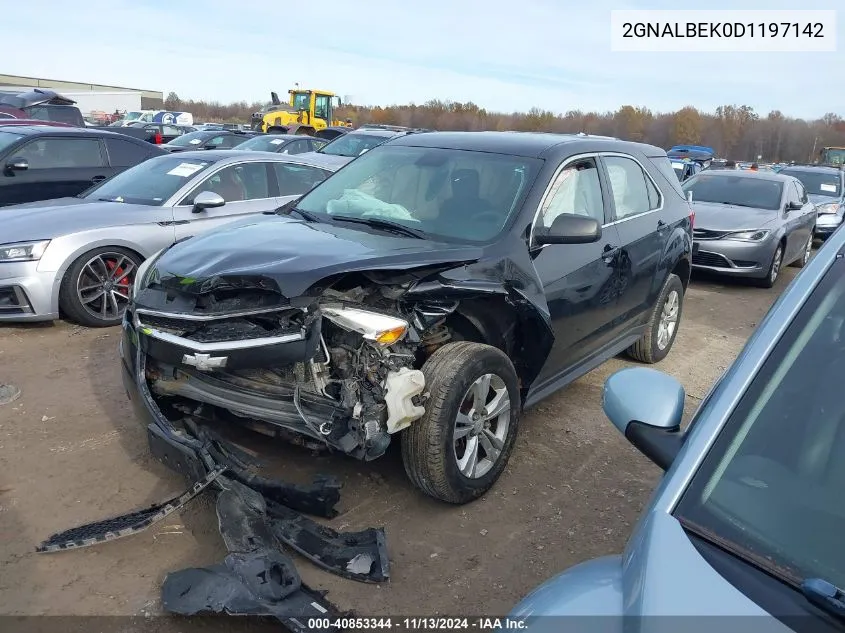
[257, 516]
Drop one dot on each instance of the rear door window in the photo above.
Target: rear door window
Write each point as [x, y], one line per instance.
[62, 153]
[125, 153]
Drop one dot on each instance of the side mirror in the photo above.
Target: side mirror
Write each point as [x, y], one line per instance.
[646, 406]
[17, 164]
[207, 200]
[569, 228]
[794, 206]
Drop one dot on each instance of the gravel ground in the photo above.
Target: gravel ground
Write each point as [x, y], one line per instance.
[71, 452]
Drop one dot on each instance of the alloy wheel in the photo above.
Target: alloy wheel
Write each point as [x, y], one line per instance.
[104, 285]
[481, 426]
[775, 271]
[668, 319]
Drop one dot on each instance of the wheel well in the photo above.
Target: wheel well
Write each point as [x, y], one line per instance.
[683, 269]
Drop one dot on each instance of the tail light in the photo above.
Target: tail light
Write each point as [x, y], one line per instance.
[157, 139]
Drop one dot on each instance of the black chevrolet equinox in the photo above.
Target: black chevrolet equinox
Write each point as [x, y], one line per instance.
[429, 291]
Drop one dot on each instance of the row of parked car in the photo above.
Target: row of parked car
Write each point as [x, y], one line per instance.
[433, 285]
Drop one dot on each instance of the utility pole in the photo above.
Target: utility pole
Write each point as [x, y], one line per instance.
[813, 153]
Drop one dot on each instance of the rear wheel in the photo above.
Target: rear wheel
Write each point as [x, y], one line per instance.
[663, 324]
[96, 289]
[774, 269]
[459, 448]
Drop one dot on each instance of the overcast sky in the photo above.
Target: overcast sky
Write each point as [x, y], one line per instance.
[502, 55]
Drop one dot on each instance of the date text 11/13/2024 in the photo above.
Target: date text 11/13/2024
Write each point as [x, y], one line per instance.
[418, 624]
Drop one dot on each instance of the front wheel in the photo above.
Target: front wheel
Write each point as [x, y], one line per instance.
[774, 269]
[96, 289]
[663, 324]
[461, 445]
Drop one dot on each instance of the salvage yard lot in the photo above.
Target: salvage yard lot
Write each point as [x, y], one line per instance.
[71, 452]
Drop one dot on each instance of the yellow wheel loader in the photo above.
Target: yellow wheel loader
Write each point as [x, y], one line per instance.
[306, 112]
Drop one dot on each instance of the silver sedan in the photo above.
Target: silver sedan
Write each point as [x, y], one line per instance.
[77, 256]
[750, 224]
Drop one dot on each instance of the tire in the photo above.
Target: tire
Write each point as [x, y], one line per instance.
[653, 347]
[774, 269]
[805, 256]
[96, 267]
[430, 451]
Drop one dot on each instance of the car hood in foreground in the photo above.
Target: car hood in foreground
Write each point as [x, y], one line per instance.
[53, 218]
[725, 217]
[296, 254]
[662, 574]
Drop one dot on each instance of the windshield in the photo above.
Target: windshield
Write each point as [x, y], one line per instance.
[268, 143]
[743, 191]
[133, 116]
[190, 139]
[773, 482]
[833, 155]
[7, 139]
[352, 145]
[152, 182]
[452, 195]
[679, 170]
[817, 182]
[301, 101]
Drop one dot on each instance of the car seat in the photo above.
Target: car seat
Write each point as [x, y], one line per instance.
[229, 186]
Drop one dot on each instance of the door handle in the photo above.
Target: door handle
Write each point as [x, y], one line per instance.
[97, 179]
[609, 253]
[661, 225]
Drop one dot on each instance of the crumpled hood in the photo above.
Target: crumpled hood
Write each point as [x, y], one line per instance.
[296, 254]
[818, 199]
[49, 219]
[724, 217]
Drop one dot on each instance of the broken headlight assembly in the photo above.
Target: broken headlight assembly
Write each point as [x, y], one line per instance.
[143, 272]
[23, 251]
[381, 329]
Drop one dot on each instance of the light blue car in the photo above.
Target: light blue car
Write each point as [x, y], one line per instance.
[749, 518]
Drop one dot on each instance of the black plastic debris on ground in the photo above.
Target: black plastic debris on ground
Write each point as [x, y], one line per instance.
[256, 518]
[126, 524]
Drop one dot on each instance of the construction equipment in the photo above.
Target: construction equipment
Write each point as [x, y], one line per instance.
[832, 156]
[306, 112]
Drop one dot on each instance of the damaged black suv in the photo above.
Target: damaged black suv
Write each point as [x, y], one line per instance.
[430, 289]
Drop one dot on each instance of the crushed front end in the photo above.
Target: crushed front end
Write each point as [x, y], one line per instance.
[334, 369]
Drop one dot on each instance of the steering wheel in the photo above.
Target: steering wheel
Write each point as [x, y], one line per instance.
[486, 216]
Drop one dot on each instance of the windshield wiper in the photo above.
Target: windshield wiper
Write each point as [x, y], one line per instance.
[290, 207]
[825, 595]
[738, 204]
[385, 225]
[112, 199]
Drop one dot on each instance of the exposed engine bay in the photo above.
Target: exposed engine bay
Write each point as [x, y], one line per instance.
[341, 372]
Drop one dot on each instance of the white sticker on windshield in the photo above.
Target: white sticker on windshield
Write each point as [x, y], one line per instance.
[678, 165]
[827, 187]
[185, 169]
[195, 141]
[277, 141]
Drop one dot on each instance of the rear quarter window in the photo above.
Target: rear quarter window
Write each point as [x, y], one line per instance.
[669, 180]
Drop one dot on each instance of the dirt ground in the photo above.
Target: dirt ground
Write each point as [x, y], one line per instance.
[71, 452]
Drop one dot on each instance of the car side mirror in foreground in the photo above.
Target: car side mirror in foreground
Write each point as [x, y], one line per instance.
[17, 164]
[794, 206]
[207, 200]
[646, 406]
[568, 228]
